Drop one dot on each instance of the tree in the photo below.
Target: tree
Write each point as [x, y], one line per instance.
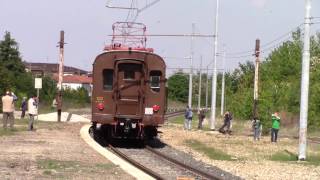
[12, 70]
[178, 87]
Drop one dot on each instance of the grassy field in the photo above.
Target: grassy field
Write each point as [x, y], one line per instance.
[21, 125]
[241, 146]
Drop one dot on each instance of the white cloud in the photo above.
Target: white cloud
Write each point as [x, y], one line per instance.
[258, 3]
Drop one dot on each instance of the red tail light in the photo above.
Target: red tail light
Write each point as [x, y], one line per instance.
[100, 106]
[156, 108]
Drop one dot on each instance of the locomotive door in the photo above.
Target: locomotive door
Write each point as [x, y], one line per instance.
[129, 92]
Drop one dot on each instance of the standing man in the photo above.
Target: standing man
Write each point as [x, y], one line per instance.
[59, 105]
[15, 99]
[24, 106]
[256, 125]
[188, 118]
[32, 110]
[201, 116]
[8, 109]
[275, 126]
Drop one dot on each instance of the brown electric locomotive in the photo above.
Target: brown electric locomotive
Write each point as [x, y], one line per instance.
[129, 93]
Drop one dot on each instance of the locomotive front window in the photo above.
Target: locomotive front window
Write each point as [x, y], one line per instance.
[129, 75]
[155, 77]
[107, 79]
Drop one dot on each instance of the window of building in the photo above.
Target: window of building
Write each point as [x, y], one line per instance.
[107, 79]
[155, 77]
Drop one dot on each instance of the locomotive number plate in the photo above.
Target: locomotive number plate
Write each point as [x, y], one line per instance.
[148, 111]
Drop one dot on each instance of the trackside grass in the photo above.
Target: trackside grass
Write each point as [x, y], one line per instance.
[63, 169]
[286, 156]
[208, 151]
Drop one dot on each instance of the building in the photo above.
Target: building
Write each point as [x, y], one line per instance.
[41, 69]
[73, 78]
[75, 82]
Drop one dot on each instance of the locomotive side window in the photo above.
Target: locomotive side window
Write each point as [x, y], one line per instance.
[107, 79]
[155, 77]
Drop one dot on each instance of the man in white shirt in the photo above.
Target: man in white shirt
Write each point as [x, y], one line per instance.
[32, 111]
[8, 109]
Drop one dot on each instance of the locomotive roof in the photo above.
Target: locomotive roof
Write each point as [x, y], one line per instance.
[133, 50]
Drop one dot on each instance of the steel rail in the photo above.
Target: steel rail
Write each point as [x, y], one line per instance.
[136, 164]
[173, 114]
[174, 161]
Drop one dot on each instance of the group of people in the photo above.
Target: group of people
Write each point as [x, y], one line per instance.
[8, 108]
[257, 127]
[227, 123]
[201, 116]
[188, 118]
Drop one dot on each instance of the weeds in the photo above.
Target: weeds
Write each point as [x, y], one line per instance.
[208, 151]
[286, 156]
[10, 132]
[53, 167]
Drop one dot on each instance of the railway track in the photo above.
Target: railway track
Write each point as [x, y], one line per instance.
[174, 113]
[135, 163]
[198, 172]
[163, 162]
[159, 165]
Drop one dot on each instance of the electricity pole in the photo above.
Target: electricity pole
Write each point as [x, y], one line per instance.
[256, 80]
[305, 83]
[223, 82]
[214, 75]
[200, 74]
[61, 59]
[191, 69]
[207, 86]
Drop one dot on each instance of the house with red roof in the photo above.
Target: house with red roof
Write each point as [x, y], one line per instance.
[75, 82]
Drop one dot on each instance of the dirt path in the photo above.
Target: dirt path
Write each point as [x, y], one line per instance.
[53, 151]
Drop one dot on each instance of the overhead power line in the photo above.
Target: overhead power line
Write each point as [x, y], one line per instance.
[188, 68]
[270, 44]
[281, 37]
[168, 35]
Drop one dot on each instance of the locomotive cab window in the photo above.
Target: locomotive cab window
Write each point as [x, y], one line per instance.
[155, 77]
[107, 79]
[129, 75]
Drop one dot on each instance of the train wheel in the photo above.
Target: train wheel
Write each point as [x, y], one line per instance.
[150, 132]
[92, 132]
[108, 134]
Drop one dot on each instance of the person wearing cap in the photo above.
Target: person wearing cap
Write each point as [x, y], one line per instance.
[32, 111]
[275, 126]
[8, 109]
[23, 107]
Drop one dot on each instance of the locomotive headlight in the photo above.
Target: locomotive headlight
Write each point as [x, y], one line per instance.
[133, 125]
[100, 106]
[156, 108]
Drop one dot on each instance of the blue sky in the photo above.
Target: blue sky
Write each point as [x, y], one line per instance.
[35, 24]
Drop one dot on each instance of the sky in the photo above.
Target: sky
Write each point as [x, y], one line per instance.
[36, 25]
